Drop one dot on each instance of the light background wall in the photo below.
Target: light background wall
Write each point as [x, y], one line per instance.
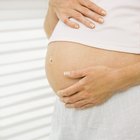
[26, 99]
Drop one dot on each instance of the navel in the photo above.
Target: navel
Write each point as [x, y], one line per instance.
[50, 60]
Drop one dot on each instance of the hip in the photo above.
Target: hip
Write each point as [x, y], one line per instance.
[117, 119]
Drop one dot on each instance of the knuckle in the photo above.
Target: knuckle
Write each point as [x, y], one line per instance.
[88, 4]
[82, 83]
[65, 94]
[96, 17]
[69, 100]
[65, 20]
[86, 11]
[68, 94]
[95, 7]
[66, 101]
[98, 9]
[74, 73]
[77, 105]
[62, 93]
[79, 16]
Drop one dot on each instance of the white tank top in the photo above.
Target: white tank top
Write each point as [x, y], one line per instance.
[120, 31]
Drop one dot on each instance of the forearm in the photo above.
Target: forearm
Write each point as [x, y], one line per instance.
[130, 76]
[50, 21]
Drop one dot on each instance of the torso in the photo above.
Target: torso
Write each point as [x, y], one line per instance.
[120, 32]
[66, 56]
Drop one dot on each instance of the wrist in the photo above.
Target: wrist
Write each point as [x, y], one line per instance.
[124, 78]
[118, 80]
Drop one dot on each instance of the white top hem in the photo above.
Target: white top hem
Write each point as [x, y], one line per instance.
[97, 44]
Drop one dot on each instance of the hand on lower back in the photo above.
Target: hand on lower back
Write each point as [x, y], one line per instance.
[97, 85]
[79, 10]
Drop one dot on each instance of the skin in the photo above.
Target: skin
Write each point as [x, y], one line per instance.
[50, 21]
[87, 92]
[79, 10]
[96, 86]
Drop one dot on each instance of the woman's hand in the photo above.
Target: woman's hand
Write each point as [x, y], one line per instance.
[79, 10]
[97, 85]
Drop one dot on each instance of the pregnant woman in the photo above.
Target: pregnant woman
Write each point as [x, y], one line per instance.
[100, 98]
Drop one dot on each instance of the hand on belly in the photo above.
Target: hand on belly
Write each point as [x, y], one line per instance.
[99, 79]
[97, 85]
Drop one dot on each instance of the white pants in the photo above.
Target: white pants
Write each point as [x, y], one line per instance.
[117, 119]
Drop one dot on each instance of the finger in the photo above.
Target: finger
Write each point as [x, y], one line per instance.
[90, 14]
[79, 17]
[74, 98]
[70, 90]
[78, 104]
[76, 73]
[93, 7]
[68, 22]
[87, 106]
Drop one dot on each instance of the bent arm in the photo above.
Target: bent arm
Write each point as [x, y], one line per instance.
[50, 21]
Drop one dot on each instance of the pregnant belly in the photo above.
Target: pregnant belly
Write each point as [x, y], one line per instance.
[66, 56]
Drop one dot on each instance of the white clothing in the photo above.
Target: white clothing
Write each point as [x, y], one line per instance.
[116, 119]
[120, 32]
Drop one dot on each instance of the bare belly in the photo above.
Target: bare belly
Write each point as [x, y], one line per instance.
[66, 56]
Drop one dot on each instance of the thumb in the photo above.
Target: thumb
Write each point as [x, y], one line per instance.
[75, 73]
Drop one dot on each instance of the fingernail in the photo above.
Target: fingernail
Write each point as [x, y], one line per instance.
[92, 25]
[77, 26]
[101, 20]
[66, 73]
[103, 12]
